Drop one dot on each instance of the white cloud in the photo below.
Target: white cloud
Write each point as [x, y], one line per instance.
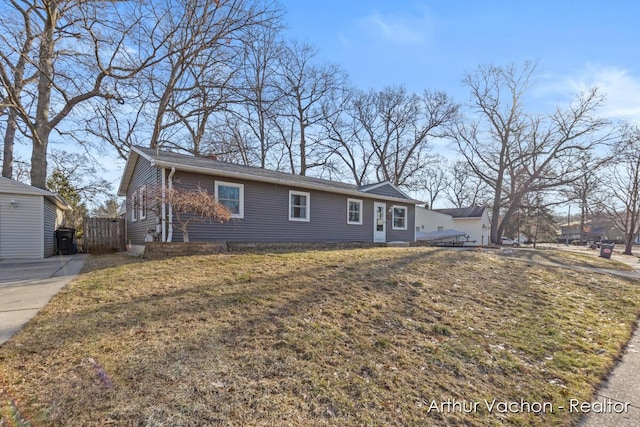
[619, 86]
[397, 29]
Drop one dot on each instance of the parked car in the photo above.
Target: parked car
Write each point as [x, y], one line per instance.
[508, 242]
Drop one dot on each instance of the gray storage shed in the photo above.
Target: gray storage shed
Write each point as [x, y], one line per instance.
[29, 217]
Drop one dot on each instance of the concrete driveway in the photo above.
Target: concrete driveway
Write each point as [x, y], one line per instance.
[27, 285]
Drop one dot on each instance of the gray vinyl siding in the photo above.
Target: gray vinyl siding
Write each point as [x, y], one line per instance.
[21, 231]
[50, 219]
[266, 216]
[143, 175]
[386, 190]
[407, 235]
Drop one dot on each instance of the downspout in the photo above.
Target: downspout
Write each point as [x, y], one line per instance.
[416, 226]
[163, 207]
[170, 235]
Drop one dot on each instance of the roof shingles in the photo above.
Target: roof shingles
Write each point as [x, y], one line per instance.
[211, 166]
[470, 212]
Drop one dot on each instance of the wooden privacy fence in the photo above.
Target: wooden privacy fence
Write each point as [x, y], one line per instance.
[104, 235]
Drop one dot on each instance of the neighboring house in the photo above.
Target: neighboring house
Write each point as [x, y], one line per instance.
[595, 229]
[29, 217]
[469, 226]
[266, 206]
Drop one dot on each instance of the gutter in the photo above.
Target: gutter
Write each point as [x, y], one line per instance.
[170, 234]
[163, 207]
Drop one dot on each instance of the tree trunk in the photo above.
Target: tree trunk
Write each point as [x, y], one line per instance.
[583, 209]
[9, 138]
[39, 161]
[45, 81]
[535, 235]
[12, 116]
[630, 227]
[495, 222]
[303, 148]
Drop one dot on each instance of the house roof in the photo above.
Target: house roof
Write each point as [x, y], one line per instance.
[209, 166]
[470, 212]
[10, 186]
[384, 189]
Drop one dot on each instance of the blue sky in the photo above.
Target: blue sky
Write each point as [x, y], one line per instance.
[430, 44]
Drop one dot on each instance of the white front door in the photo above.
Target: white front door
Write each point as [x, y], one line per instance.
[379, 222]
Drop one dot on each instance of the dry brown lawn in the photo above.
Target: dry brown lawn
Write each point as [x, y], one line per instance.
[344, 338]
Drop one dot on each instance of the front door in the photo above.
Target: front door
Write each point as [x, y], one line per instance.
[379, 222]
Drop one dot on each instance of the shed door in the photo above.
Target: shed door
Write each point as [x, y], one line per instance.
[379, 222]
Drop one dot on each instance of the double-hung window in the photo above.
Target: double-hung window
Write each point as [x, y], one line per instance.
[134, 206]
[399, 218]
[143, 203]
[231, 195]
[299, 206]
[354, 211]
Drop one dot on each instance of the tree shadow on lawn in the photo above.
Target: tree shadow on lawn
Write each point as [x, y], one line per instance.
[552, 257]
[212, 295]
[241, 345]
[91, 322]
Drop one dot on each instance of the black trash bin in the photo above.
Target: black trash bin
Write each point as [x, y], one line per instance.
[606, 249]
[64, 241]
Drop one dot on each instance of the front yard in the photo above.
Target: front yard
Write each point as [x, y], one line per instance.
[345, 337]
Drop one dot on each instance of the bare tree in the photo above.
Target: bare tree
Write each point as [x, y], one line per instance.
[197, 77]
[16, 44]
[386, 135]
[584, 191]
[464, 188]
[108, 209]
[308, 94]
[79, 171]
[346, 139]
[250, 125]
[533, 220]
[516, 153]
[80, 50]
[176, 100]
[621, 192]
[118, 124]
[230, 140]
[432, 180]
[194, 205]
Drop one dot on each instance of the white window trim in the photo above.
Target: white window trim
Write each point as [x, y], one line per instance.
[134, 206]
[359, 202]
[239, 215]
[142, 197]
[393, 217]
[308, 205]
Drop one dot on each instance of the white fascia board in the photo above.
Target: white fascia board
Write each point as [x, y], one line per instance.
[128, 169]
[59, 202]
[126, 176]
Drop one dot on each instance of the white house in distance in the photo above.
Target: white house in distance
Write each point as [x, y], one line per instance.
[29, 217]
[457, 226]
